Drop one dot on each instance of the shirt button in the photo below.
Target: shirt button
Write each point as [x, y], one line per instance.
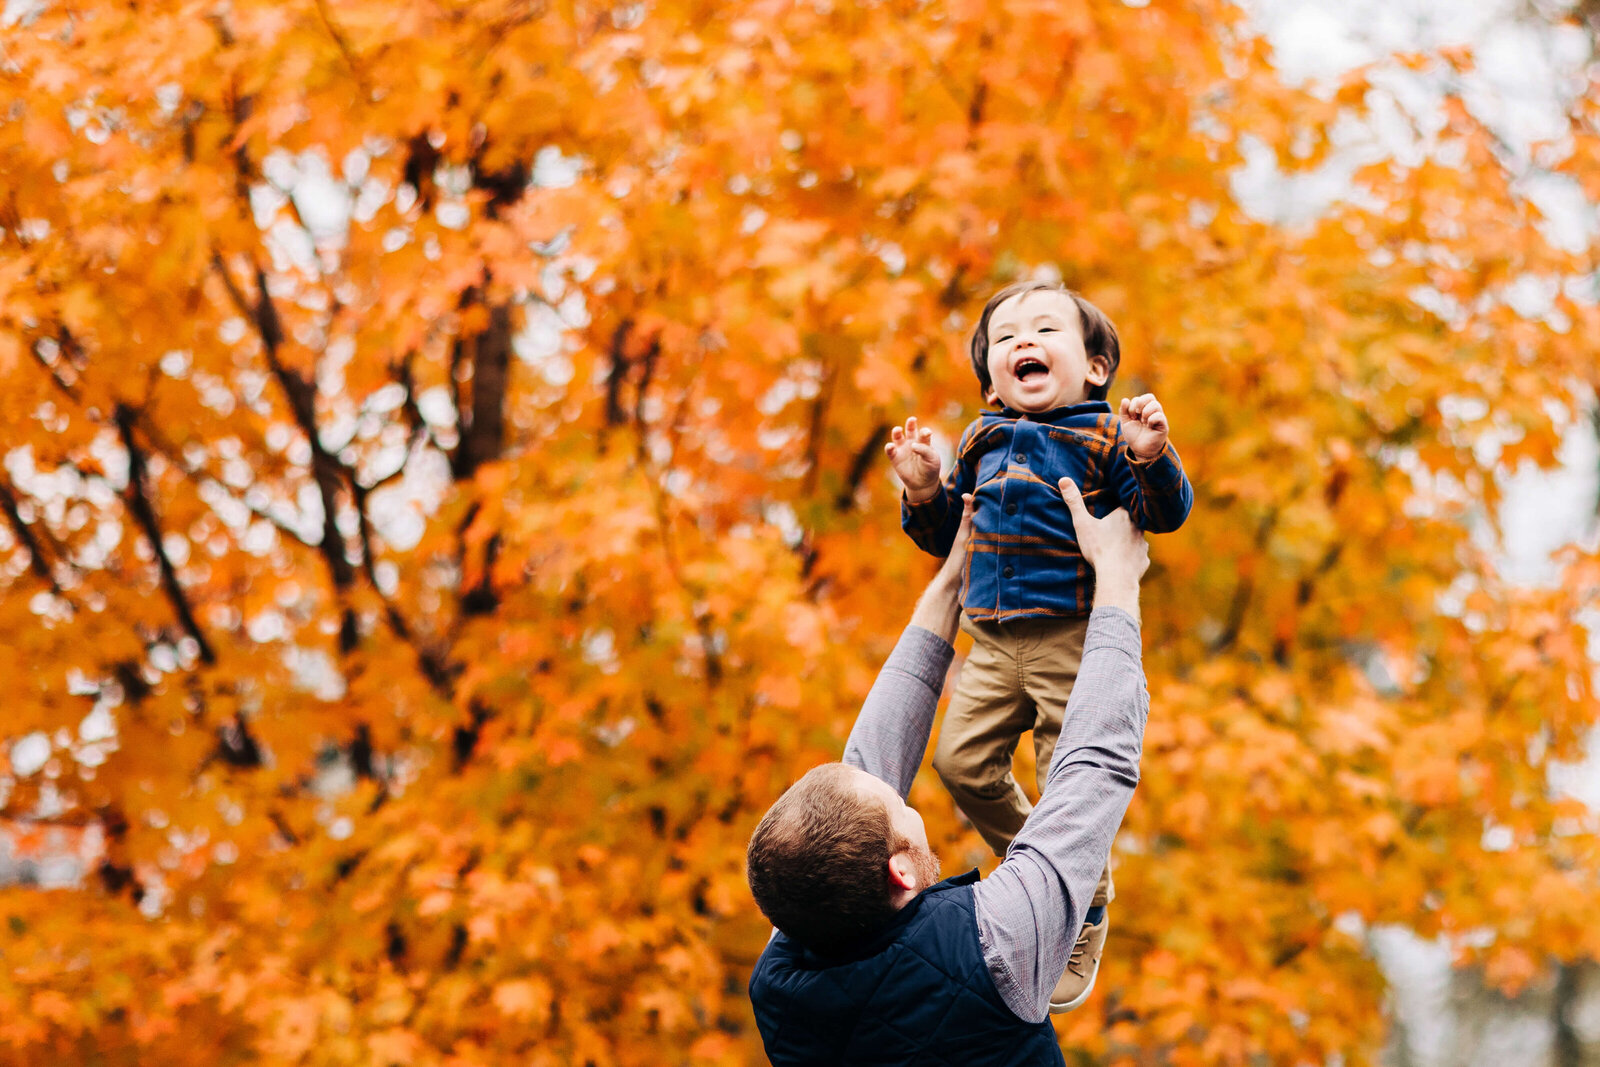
[1011, 509]
[1021, 457]
[1008, 572]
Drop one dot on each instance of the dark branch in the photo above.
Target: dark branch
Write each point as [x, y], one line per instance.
[815, 429]
[505, 186]
[361, 752]
[1238, 609]
[330, 475]
[137, 499]
[284, 829]
[343, 44]
[432, 665]
[116, 877]
[483, 424]
[615, 414]
[647, 373]
[38, 562]
[421, 160]
[859, 465]
[236, 745]
[980, 97]
[68, 388]
[243, 169]
[408, 407]
[466, 737]
[197, 474]
[481, 599]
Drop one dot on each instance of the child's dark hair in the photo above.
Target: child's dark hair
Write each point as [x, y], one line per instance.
[1099, 336]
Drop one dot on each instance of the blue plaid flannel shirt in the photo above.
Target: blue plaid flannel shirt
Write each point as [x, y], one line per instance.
[1023, 559]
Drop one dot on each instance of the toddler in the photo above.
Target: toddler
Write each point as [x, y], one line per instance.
[1045, 357]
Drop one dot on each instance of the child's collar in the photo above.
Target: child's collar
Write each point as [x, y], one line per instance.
[1087, 407]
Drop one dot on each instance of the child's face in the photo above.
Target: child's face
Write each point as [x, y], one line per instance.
[1036, 356]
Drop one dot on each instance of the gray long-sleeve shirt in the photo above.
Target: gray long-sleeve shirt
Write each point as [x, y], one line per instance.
[1031, 907]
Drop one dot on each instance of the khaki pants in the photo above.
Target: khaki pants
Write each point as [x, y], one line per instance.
[1017, 678]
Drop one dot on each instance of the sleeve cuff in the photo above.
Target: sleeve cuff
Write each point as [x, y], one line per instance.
[1161, 471]
[924, 655]
[1113, 628]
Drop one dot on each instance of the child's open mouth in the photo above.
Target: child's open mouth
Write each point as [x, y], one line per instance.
[1027, 368]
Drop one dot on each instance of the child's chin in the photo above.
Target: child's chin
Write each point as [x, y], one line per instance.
[1034, 407]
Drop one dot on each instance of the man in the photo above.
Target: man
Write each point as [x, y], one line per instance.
[874, 963]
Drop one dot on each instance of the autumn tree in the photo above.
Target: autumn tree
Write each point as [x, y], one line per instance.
[443, 508]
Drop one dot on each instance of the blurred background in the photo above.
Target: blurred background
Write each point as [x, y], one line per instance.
[443, 505]
[1529, 62]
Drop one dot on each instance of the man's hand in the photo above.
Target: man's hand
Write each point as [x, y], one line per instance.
[914, 459]
[1144, 426]
[939, 610]
[956, 561]
[1114, 547]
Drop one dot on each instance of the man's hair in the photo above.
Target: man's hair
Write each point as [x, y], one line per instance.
[818, 862]
[1099, 336]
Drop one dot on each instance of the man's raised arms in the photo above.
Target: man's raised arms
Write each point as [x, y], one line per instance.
[1032, 906]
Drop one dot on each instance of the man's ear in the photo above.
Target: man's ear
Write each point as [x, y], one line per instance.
[903, 874]
[1099, 370]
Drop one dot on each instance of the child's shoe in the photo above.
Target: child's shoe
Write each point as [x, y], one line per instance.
[1078, 981]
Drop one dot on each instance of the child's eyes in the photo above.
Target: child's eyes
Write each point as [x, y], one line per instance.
[1047, 329]
[1002, 340]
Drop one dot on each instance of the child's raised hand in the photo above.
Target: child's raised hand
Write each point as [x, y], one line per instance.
[1144, 426]
[914, 459]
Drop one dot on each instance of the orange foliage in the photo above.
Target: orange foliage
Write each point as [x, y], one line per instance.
[442, 450]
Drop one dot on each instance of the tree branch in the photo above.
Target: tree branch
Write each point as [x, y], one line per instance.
[344, 47]
[615, 415]
[68, 389]
[202, 477]
[815, 429]
[433, 666]
[870, 449]
[38, 562]
[330, 475]
[647, 373]
[1238, 609]
[137, 499]
[483, 425]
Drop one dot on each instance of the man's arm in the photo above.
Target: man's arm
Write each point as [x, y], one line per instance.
[891, 732]
[1030, 909]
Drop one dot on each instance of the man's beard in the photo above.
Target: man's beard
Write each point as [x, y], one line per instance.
[925, 862]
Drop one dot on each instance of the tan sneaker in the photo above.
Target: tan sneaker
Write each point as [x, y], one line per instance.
[1077, 982]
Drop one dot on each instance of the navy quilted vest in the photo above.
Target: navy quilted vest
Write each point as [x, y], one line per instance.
[918, 993]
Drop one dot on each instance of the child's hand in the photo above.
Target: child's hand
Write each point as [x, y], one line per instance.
[1144, 426]
[912, 455]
